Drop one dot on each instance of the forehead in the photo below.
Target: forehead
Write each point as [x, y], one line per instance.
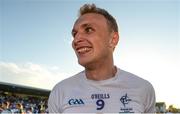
[90, 18]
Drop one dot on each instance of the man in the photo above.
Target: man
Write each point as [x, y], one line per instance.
[101, 87]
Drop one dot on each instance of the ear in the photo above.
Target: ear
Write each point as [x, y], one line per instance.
[114, 39]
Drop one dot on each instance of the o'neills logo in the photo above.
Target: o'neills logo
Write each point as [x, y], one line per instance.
[100, 96]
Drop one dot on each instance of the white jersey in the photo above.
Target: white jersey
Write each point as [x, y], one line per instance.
[124, 93]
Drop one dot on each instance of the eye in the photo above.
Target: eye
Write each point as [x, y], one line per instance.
[74, 33]
[89, 29]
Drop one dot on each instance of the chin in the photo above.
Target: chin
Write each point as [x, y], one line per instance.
[84, 63]
[87, 65]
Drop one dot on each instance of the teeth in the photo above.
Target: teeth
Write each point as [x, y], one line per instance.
[82, 50]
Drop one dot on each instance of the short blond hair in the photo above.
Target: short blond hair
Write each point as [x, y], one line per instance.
[91, 8]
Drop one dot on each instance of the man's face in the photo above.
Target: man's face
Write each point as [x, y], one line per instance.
[91, 39]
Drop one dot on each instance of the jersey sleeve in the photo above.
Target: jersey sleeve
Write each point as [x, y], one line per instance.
[54, 101]
[150, 100]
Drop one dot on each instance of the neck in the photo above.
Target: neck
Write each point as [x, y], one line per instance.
[101, 71]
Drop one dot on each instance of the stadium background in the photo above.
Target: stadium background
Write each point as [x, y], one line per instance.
[22, 99]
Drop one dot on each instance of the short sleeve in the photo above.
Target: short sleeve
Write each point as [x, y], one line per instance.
[54, 101]
[150, 100]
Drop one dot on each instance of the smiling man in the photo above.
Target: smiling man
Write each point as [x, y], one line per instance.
[101, 87]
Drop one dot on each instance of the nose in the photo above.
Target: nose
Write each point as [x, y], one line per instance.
[78, 38]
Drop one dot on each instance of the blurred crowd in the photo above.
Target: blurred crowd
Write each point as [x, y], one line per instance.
[22, 104]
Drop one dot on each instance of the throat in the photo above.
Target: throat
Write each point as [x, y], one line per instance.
[101, 74]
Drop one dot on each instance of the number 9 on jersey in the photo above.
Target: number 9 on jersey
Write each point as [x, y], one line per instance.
[100, 104]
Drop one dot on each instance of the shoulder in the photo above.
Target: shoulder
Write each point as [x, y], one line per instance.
[133, 80]
[69, 82]
[60, 90]
[143, 87]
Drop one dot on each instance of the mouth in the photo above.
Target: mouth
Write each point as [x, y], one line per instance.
[83, 50]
